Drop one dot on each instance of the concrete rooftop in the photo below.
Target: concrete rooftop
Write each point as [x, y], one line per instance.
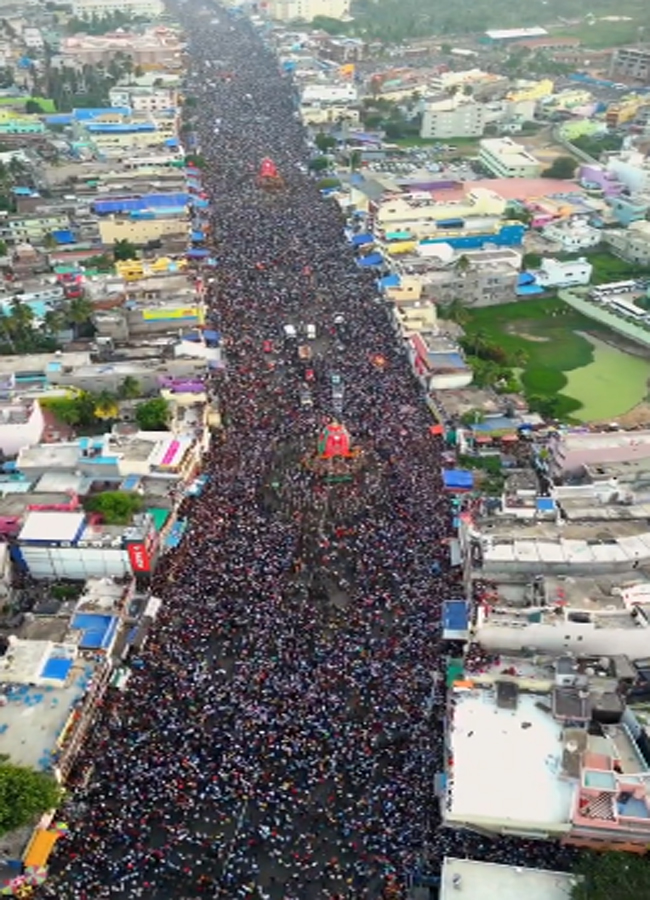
[489, 881]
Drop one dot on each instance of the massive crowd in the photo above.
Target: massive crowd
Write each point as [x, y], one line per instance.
[281, 731]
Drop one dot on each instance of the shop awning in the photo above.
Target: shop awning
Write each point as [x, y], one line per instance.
[40, 847]
[373, 259]
[359, 239]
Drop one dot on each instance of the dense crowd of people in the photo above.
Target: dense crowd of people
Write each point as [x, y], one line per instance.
[281, 730]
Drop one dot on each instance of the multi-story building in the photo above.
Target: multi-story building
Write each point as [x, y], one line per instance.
[154, 48]
[631, 62]
[453, 117]
[287, 10]
[631, 243]
[563, 763]
[479, 277]
[21, 424]
[506, 158]
[17, 229]
[140, 231]
[555, 273]
[33, 39]
[409, 211]
[85, 9]
[144, 100]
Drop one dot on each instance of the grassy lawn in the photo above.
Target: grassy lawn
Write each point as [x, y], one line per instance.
[601, 35]
[590, 378]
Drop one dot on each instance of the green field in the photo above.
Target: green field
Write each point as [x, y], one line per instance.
[601, 35]
[593, 380]
[610, 385]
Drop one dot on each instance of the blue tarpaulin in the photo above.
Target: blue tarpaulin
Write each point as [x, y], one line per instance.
[197, 254]
[63, 237]
[359, 239]
[525, 278]
[457, 480]
[455, 619]
[139, 203]
[389, 281]
[198, 236]
[373, 259]
[545, 504]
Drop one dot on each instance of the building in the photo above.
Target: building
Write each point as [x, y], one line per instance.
[632, 63]
[14, 123]
[417, 212]
[631, 243]
[33, 39]
[21, 425]
[70, 544]
[570, 453]
[155, 48]
[329, 93]
[480, 277]
[554, 273]
[507, 159]
[86, 9]
[490, 881]
[437, 362]
[573, 236]
[530, 90]
[144, 100]
[288, 10]
[562, 763]
[453, 117]
[140, 231]
[508, 35]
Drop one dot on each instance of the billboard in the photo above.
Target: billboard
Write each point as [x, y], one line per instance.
[140, 559]
[177, 312]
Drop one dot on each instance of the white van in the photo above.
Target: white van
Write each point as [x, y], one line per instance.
[310, 331]
[290, 332]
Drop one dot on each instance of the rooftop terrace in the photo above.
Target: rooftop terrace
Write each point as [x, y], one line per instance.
[473, 880]
[507, 761]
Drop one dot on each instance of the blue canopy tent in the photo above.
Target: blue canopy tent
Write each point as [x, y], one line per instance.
[197, 254]
[358, 240]
[455, 620]
[389, 281]
[198, 236]
[373, 259]
[457, 480]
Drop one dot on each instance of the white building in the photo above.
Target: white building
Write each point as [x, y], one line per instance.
[554, 273]
[54, 544]
[506, 158]
[572, 236]
[144, 99]
[33, 39]
[453, 117]
[328, 93]
[286, 10]
[489, 881]
[631, 243]
[85, 9]
[21, 425]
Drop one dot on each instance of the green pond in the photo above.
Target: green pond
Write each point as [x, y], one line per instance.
[612, 384]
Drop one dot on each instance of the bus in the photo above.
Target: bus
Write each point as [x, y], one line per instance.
[626, 308]
[614, 287]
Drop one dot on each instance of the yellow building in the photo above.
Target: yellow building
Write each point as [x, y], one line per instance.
[532, 90]
[410, 288]
[139, 231]
[624, 110]
[410, 212]
[137, 269]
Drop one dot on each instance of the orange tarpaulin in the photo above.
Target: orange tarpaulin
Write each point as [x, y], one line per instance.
[40, 847]
[436, 429]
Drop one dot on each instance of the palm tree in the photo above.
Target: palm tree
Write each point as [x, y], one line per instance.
[105, 405]
[53, 321]
[478, 341]
[129, 389]
[79, 313]
[456, 312]
[462, 265]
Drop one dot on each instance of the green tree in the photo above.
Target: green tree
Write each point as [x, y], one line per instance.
[562, 167]
[124, 250]
[611, 876]
[462, 265]
[130, 388]
[49, 241]
[324, 142]
[105, 406]
[79, 312]
[3, 248]
[456, 312]
[472, 417]
[152, 415]
[318, 163]
[32, 108]
[115, 507]
[24, 795]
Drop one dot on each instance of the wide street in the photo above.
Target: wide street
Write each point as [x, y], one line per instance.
[279, 737]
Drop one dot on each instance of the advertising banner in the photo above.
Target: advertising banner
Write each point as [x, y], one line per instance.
[140, 559]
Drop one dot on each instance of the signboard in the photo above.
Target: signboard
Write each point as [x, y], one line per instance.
[178, 312]
[139, 557]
